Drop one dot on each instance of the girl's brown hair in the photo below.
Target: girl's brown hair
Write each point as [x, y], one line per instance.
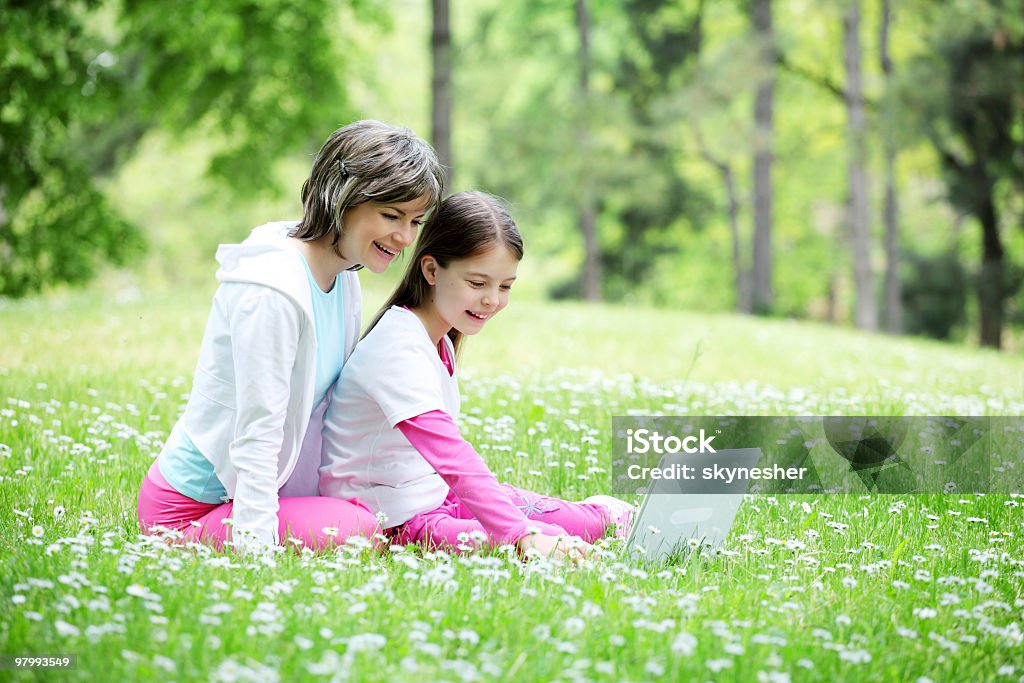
[465, 225]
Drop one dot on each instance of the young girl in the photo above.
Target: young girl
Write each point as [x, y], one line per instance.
[390, 436]
[241, 462]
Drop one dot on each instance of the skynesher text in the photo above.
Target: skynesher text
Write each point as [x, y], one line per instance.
[715, 473]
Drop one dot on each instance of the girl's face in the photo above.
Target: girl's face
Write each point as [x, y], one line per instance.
[471, 291]
[375, 233]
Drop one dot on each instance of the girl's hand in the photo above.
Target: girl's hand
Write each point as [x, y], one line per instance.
[570, 548]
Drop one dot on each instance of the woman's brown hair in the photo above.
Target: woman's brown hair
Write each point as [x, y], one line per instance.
[366, 161]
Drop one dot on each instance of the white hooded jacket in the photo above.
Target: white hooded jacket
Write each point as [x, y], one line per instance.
[250, 408]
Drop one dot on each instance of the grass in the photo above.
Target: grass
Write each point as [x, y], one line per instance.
[831, 587]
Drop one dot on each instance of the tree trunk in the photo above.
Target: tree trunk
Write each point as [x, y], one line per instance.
[592, 256]
[741, 278]
[865, 311]
[763, 295]
[893, 295]
[441, 86]
[893, 288]
[588, 203]
[991, 296]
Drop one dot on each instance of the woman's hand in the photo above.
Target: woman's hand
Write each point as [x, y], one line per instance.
[570, 548]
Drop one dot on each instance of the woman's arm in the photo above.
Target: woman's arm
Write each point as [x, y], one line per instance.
[265, 329]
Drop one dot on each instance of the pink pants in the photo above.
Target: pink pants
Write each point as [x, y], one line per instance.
[300, 518]
[442, 527]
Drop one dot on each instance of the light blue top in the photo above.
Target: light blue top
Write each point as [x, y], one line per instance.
[181, 463]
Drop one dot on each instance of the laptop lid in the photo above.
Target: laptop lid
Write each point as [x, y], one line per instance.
[678, 514]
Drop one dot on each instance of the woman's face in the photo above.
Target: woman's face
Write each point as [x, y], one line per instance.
[375, 233]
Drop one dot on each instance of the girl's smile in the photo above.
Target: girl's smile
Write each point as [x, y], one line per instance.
[467, 293]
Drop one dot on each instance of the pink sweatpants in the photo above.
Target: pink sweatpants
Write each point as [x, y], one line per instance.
[442, 527]
[301, 518]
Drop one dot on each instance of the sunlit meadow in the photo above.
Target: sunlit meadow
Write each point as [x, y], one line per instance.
[807, 588]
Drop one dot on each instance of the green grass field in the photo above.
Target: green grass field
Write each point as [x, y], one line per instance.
[807, 588]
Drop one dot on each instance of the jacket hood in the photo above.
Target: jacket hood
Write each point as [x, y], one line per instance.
[266, 258]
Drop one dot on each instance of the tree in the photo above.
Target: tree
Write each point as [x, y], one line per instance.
[972, 116]
[441, 85]
[557, 153]
[546, 145]
[893, 295]
[763, 295]
[712, 100]
[741, 277]
[82, 91]
[859, 219]
[588, 199]
[55, 226]
[858, 214]
[662, 43]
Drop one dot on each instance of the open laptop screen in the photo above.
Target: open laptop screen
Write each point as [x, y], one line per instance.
[678, 513]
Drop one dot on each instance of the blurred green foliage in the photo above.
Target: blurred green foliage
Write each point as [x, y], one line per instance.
[934, 294]
[54, 225]
[85, 81]
[972, 113]
[153, 96]
[672, 81]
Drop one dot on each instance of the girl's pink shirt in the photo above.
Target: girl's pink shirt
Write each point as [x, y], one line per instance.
[436, 437]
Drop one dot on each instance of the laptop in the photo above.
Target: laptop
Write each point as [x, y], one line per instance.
[681, 515]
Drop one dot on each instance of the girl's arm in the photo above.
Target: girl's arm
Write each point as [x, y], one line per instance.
[264, 345]
[435, 435]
